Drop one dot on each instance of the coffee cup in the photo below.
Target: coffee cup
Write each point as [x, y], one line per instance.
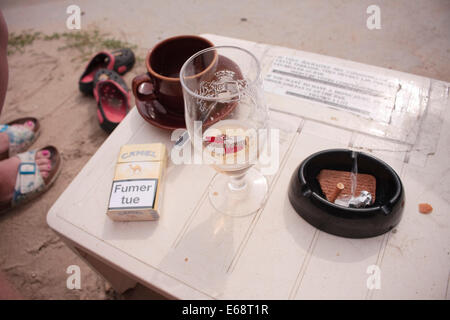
[161, 83]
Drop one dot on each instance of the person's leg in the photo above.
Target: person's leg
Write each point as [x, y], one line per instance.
[4, 140]
[8, 174]
[8, 167]
[3, 60]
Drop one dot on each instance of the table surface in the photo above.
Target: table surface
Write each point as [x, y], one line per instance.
[194, 252]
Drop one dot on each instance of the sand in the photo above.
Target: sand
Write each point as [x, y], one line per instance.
[32, 256]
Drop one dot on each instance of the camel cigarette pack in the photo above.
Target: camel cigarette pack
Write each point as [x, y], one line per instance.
[136, 187]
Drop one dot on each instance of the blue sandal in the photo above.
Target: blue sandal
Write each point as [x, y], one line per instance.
[29, 181]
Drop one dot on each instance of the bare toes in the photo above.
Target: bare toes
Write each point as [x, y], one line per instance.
[43, 162]
[44, 154]
[29, 124]
[44, 168]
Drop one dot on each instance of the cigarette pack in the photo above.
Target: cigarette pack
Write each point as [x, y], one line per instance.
[136, 187]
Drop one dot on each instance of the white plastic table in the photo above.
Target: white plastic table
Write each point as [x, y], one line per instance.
[193, 252]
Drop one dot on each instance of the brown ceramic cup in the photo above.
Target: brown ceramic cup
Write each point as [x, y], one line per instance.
[164, 62]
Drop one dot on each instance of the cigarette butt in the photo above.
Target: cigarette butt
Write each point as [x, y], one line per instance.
[339, 187]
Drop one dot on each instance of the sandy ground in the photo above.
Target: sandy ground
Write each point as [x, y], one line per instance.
[43, 84]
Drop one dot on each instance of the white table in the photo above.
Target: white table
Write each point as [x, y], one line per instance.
[193, 252]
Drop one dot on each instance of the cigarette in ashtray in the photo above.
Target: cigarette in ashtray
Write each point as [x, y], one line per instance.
[339, 187]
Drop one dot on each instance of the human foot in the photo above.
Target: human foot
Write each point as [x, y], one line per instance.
[17, 136]
[27, 175]
[9, 169]
[4, 138]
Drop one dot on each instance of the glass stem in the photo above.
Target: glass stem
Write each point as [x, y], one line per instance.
[237, 182]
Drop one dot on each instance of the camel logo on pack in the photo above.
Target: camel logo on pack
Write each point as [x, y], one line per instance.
[136, 168]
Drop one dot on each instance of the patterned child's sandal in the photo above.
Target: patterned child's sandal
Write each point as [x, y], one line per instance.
[20, 136]
[121, 61]
[29, 181]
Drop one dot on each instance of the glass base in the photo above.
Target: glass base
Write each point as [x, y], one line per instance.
[238, 202]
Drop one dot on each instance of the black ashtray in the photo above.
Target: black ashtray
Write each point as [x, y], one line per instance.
[307, 198]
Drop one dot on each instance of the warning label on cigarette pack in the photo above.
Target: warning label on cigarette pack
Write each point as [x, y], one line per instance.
[133, 194]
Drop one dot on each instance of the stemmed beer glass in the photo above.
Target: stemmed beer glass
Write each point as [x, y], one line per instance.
[225, 114]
